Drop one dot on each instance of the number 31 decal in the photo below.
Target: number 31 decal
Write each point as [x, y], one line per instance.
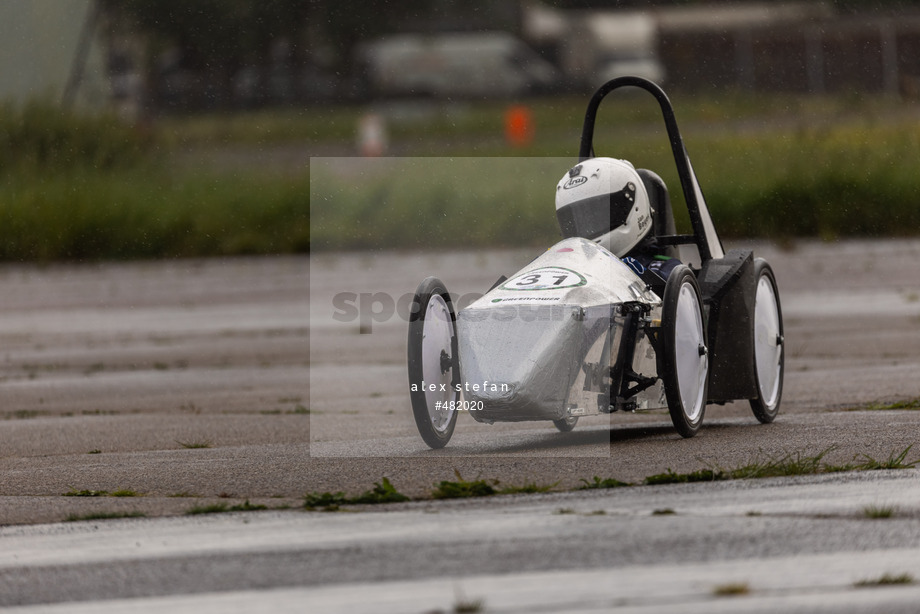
[549, 278]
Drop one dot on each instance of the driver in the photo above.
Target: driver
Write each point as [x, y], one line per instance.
[605, 200]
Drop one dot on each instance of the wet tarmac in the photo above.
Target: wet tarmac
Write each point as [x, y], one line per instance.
[188, 384]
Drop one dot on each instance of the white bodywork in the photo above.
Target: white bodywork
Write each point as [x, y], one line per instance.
[539, 345]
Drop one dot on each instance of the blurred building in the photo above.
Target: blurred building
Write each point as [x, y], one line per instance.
[766, 46]
[80, 51]
[799, 47]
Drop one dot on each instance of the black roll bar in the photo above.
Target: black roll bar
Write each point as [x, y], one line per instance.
[704, 232]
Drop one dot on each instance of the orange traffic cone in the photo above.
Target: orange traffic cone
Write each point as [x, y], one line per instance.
[518, 126]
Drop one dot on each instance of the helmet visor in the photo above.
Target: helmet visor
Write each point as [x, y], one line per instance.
[597, 215]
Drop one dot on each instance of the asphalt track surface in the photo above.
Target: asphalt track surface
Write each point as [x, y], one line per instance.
[203, 382]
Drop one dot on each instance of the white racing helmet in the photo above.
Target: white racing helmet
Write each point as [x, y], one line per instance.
[604, 199]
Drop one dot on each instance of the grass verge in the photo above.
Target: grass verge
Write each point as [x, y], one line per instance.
[879, 511]
[217, 508]
[886, 579]
[123, 492]
[195, 444]
[81, 214]
[104, 516]
[461, 489]
[778, 166]
[781, 184]
[383, 492]
[597, 482]
[732, 589]
[910, 404]
[791, 464]
[527, 489]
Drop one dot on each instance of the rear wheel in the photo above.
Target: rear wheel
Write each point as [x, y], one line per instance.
[433, 362]
[768, 344]
[684, 360]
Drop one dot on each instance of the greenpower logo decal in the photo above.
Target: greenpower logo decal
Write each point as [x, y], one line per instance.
[547, 278]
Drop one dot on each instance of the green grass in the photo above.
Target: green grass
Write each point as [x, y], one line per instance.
[104, 516]
[24, 414]
[123, 492]
[246, 506]
[797, 463]
[194, 444]
[383, 492]
[894, 461]
[527, 489]
[461, 489]
[218, 508]
[886, 579]
[879, 511]
[894, 406]
[39, 136]
[150, 212]
[90, 187]
[777, 166]
[313, 500]
[780, 182]
[732, 589]
[212, 508]
[671, 477]
[468, 606]
[597, 482]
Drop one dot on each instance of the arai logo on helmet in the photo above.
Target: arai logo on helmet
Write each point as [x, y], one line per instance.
[574, 178]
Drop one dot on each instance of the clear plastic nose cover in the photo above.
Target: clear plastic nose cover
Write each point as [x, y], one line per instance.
[536, 346]
[522, 361]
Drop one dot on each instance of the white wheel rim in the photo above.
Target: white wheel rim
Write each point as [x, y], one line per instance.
[437, 330]
[768, 347]
[692, 363]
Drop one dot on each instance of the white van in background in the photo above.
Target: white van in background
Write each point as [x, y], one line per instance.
[454, 65]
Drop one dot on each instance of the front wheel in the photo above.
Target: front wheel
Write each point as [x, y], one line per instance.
[684, 360]
[768, 344]
[566, 424]
[433, 362]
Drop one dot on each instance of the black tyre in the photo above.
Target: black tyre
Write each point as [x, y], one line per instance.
[684, 360]
[769, 354]
[566, 424]
[433, 363]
